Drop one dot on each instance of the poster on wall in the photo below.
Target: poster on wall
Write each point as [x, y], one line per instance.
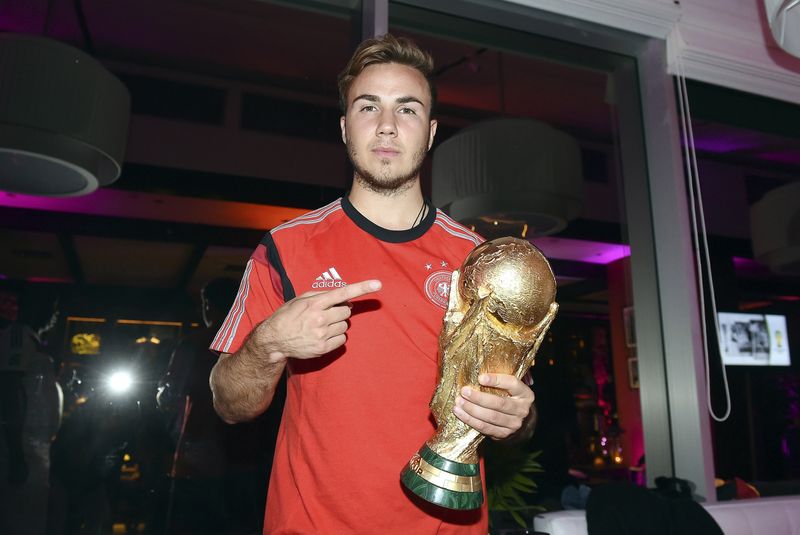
[753, 339]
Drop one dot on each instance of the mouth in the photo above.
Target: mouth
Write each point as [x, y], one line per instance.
[385, 152]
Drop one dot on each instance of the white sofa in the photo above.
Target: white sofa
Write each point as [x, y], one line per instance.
[779, 515]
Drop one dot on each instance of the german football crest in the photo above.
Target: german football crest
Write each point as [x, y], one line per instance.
[437, 287]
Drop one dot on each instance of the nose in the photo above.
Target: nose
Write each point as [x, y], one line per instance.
[386, 123]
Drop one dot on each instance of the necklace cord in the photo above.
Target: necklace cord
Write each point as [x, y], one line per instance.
[420, 216]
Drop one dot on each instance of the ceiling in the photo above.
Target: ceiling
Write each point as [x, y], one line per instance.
[199, 188]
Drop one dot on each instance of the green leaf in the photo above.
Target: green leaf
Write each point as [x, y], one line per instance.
[519, 519]
[507, 482]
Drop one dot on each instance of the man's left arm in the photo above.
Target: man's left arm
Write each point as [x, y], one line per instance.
[507, 419]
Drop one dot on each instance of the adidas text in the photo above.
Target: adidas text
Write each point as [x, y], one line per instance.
[329, 284]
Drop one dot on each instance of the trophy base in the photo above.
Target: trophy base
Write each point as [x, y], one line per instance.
[442, 481]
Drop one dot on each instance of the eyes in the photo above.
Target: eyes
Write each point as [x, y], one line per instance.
[403, 110]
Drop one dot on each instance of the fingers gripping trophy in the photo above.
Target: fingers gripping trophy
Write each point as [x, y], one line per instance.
[502, 301]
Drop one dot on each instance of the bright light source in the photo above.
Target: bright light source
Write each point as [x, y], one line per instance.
[120, 382]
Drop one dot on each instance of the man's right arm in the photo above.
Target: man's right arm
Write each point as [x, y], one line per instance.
[243, 383]
[308, 326]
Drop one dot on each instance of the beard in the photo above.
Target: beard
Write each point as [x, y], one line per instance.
[386, 181]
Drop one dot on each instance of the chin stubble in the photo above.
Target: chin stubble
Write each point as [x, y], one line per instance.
[385, 183]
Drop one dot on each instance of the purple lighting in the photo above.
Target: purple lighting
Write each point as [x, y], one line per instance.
[592, 252]
[788, 157]
[83, 204]
[116, 203]
[719, 145]
[747, 267]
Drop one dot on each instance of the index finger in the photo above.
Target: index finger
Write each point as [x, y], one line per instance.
[509, 383]
[346, 293]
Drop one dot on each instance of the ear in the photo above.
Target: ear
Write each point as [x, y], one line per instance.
[432, 134]
[342, 124]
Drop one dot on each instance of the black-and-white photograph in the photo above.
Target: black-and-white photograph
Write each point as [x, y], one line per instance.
[753, 339]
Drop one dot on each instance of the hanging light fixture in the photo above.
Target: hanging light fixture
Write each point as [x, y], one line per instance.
[784, 22]
[63, 118]
[509, 177]
[775, 229]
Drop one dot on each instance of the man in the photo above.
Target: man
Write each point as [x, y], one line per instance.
[31, 403]
[217, 470]
[361, 356]
[197, 496]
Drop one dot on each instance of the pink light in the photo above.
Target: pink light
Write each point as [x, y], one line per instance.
[790, 157]
[749, 268]
[83, 204]
[592, 252]
[117, 203]
[136, 205]
[723, 145]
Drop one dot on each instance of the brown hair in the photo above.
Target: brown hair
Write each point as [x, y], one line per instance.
[386, 49]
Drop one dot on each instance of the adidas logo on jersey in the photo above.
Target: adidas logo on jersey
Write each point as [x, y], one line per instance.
[329, 279]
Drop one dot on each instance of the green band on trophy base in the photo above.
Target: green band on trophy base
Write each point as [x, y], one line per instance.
[436, 479]
[459, 469]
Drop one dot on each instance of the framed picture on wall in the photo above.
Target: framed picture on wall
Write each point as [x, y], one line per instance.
[630, 327]
[633, 372]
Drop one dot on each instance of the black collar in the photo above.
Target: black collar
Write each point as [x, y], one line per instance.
[391, 236]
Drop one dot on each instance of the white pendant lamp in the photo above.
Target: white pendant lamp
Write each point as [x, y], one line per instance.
[507, 175]
[775, 229]
[784, 22]
[63, 118]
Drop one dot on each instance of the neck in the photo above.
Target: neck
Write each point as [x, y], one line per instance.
[396, 210]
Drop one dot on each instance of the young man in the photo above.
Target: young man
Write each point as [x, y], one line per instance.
[360, 341]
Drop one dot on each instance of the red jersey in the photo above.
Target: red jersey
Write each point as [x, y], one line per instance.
[353, 418]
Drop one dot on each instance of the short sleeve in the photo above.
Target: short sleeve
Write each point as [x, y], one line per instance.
[261, 291]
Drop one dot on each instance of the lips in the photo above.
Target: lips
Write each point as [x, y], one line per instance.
[385, 152]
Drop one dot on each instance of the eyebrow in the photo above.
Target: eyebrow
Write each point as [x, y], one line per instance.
[401, 100]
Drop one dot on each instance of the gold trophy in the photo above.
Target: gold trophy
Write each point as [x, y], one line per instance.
[502, 301]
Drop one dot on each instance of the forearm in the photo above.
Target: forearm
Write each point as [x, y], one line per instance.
[243, 383]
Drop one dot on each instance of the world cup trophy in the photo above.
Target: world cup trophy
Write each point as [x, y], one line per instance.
[502, 301]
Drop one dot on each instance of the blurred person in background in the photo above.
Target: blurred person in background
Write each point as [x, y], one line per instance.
[218, 473]
[31, 404]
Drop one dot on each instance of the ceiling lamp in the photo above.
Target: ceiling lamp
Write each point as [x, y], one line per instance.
[63, 118]
[784, 21]
[509, 177]
[775, 229]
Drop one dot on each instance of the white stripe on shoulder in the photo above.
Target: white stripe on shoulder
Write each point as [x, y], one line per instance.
[239, 314]
[238, 303]
[312, 217]
[458, 227]
[462, 235]
[460, 232]
[226, 324]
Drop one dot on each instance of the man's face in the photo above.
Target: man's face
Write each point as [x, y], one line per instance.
[387, 128]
